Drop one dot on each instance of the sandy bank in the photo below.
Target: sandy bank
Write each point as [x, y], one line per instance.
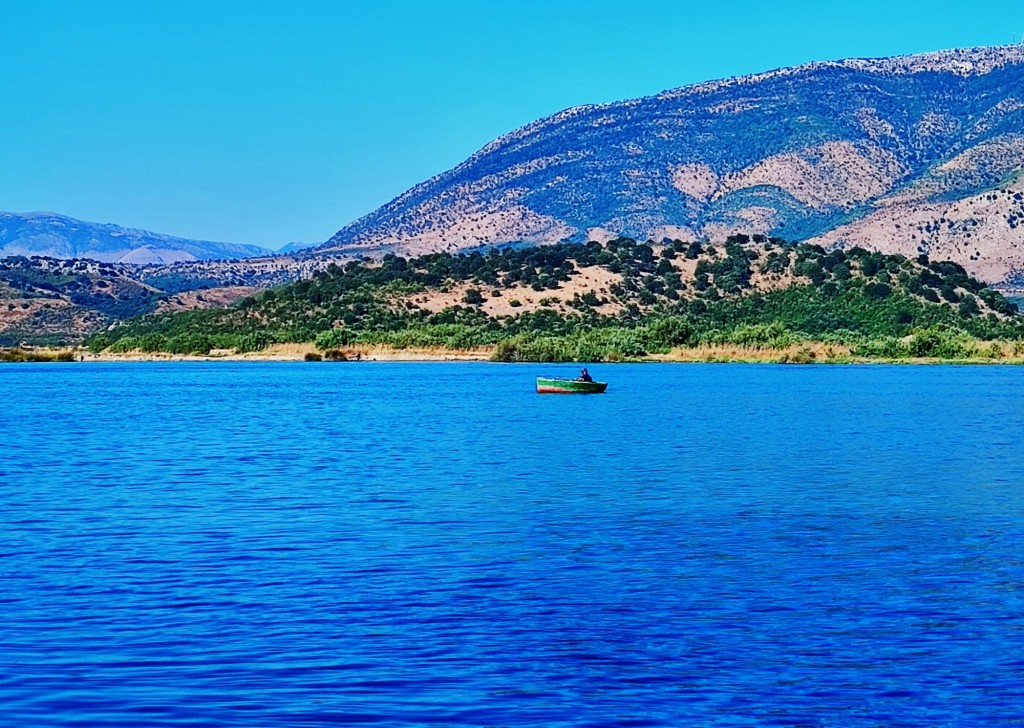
[806, 353]
[298, 352]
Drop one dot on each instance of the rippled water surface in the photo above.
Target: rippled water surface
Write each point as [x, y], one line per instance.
[434, 544]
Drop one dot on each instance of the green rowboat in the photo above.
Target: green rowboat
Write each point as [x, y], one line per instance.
[569, 386]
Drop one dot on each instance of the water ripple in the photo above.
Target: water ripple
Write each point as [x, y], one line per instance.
[308, 545]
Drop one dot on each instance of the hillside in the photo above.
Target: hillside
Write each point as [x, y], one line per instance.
[55, 301]
[596, 301]
[261, 272]
[911, 155]
[57, 236]
[50, 301]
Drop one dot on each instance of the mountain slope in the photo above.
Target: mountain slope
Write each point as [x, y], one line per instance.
[900, 154]
[51, 301]
[58, 236]
[46, 300]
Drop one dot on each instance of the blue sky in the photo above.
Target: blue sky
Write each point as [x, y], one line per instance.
[269, 122]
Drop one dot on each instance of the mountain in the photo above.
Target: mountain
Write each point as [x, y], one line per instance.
[58, 236]
[914, 154]
[295, 247]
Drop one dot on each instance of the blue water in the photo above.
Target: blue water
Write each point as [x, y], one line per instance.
[230, 544]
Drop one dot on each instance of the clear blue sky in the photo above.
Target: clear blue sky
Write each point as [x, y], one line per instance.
[267, 122]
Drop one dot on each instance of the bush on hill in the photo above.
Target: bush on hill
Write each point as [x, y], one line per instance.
[866, 299]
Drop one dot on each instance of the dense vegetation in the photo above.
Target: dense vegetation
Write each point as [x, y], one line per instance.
[748, 292]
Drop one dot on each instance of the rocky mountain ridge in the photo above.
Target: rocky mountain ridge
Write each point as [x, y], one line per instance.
[916, 155]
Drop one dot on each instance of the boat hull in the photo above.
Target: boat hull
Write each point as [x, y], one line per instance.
[569, 386]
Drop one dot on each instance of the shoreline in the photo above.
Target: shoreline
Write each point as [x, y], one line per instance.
[806, 354]
[298, 353]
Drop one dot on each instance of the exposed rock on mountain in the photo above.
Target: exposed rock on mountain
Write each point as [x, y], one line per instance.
[918, 154]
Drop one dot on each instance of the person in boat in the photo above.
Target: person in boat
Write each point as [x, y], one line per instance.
[585, 376]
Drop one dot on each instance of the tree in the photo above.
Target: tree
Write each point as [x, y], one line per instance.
[669, 332]
[969, 306]
[877, 291]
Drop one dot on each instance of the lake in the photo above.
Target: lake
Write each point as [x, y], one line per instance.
[291, 544]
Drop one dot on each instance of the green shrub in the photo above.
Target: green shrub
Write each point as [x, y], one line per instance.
[184, 343]
[612, 344]
[99, 342]
[887, 347]
[969, 306]
[941, 342]
[334, 338]
[992, 351]
[669, 332]
[525, 348]
[254, 341]
[773, 336]
[124, 345]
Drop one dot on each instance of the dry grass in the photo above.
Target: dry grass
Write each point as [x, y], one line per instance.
[368, 352]
[205, 298]
[997, 352]
[19, 355]
[1002, 352]
[592, 278]
[797, 353]
[428, 353]
[298, 352]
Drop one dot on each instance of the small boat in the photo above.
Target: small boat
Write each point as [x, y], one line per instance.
[569, 386]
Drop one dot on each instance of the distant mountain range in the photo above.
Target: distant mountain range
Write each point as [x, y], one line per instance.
[916, 154]
[295, 247]
[58, 236]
